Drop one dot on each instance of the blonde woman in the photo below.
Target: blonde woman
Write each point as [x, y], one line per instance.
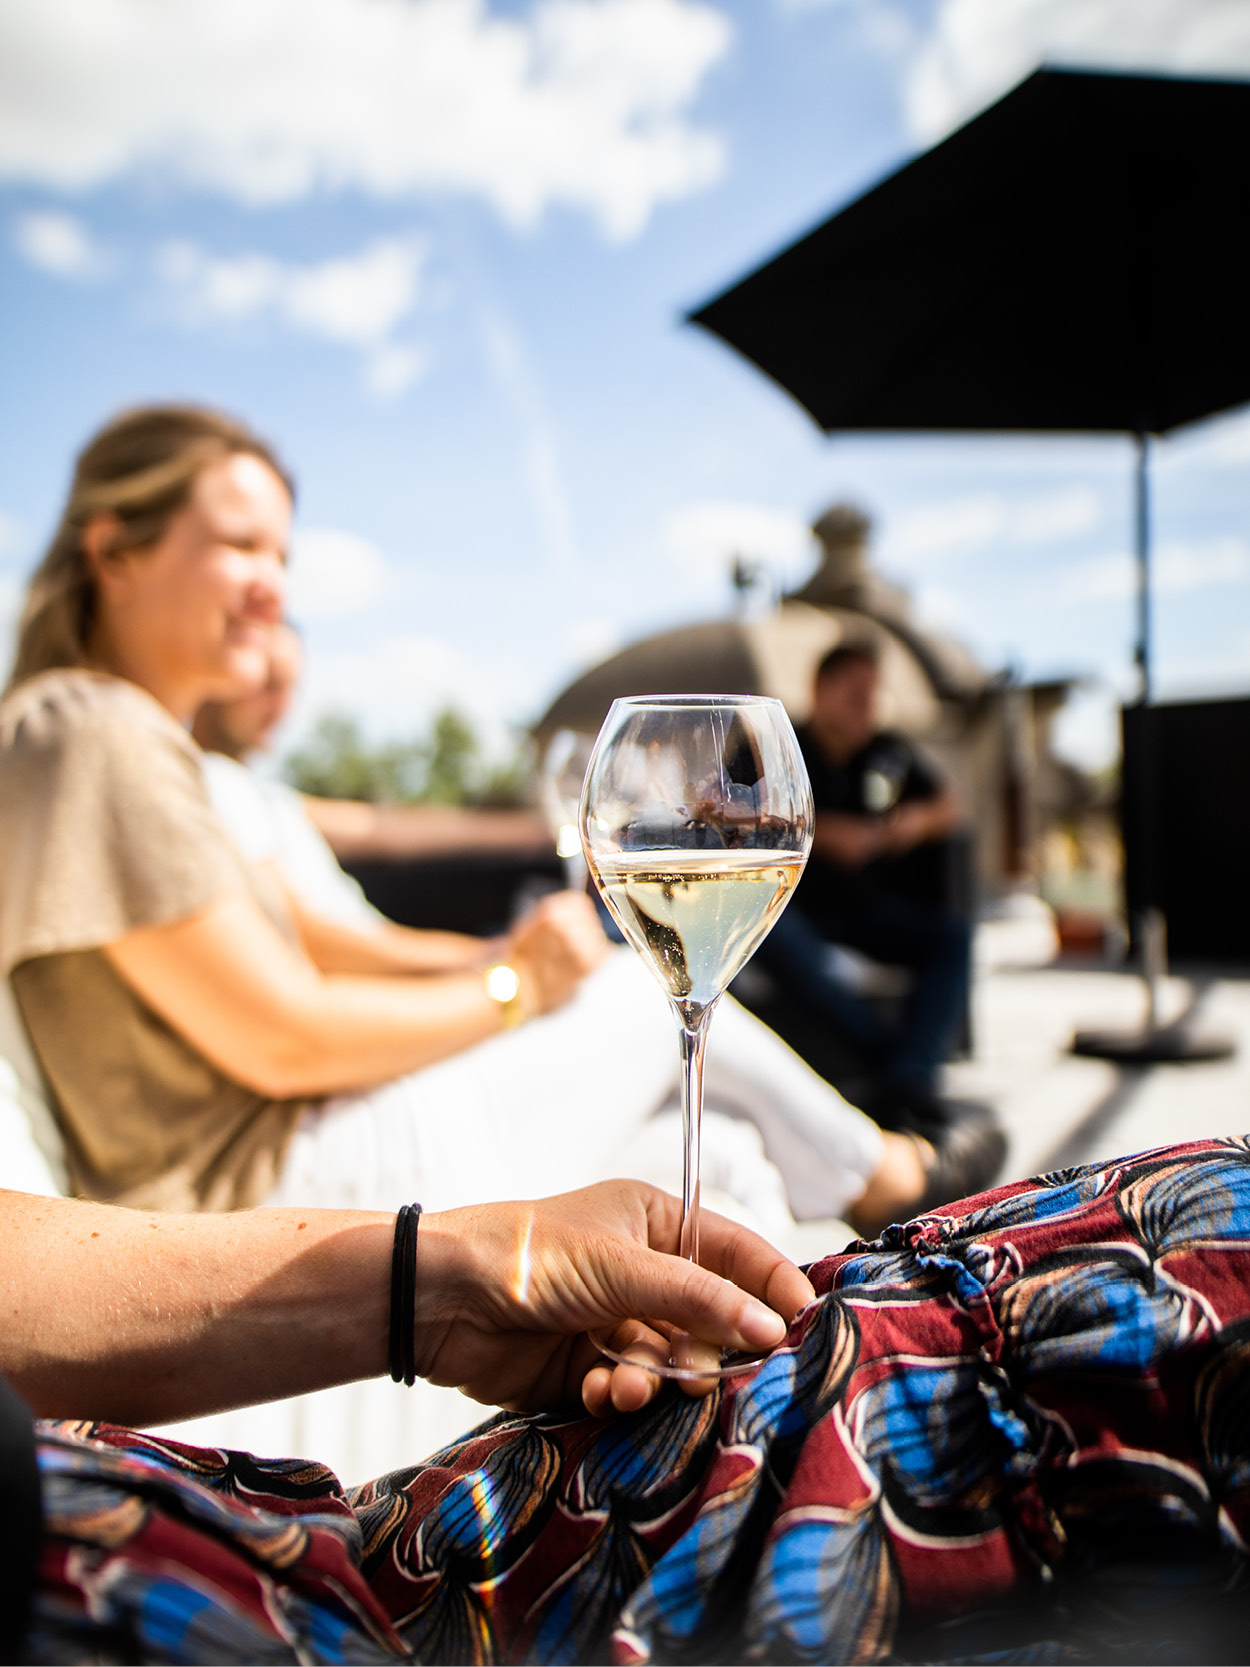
[210, 1043]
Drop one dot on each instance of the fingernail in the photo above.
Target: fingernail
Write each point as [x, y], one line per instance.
[761, 1327]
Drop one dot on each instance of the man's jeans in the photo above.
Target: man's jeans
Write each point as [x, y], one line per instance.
[933, 942]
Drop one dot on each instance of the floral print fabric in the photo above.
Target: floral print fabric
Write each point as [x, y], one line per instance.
[1014, 1429]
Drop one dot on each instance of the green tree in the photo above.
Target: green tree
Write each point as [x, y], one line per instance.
[452, 760]
[443, 766]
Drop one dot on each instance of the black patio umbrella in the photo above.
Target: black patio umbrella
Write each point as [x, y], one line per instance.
[1071, 260]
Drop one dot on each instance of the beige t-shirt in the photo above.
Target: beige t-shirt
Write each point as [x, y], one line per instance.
[105, 827]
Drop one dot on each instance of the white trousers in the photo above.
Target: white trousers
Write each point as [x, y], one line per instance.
[586, 1093]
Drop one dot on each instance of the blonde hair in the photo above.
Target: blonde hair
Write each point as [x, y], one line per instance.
[139, 469]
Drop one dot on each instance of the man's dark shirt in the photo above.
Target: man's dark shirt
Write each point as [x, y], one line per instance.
[887, 771]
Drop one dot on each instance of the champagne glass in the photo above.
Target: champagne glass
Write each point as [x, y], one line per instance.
[563, 772]
[696, 821]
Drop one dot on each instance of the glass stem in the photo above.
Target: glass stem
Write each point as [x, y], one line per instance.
[693, 1030]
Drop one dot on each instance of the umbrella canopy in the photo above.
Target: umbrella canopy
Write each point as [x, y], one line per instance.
[1071, 259]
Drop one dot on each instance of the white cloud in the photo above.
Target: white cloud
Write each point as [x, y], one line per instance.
[398, 684]
[1224, 444]
[1054, 516]
[59, 243]
[8, 533]
[10, 606]
[392, 369]
[977, 49]
[333, 573]
[1087, 729]
[1175, 568]
[962, 526]
[509, 363]
[357, 300]
[581, 103]
[592, 640]
[705, 537]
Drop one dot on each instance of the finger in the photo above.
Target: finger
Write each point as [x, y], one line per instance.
[693, 1353]
[734, 1252]
[627, 1387]
[597, 1392]
[754, 1265]
[691, 1298]
[632, 1385]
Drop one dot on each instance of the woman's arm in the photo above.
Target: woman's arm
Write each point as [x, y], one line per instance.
[384, 949]
[352, 828]
[116, 1314]
[242, 996]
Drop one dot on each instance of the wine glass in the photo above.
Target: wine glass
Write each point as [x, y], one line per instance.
[563, 772]
[696, 821]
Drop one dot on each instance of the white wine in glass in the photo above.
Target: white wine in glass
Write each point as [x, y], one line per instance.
[696, 821]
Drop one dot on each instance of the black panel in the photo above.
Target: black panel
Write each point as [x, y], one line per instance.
[1187, 824]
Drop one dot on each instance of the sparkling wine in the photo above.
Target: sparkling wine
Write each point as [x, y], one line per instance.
[697, 916]
[668, 770]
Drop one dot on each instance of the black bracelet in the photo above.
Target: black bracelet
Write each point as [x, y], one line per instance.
[403, 1349]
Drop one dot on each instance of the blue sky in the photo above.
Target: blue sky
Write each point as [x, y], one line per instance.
[439, 251]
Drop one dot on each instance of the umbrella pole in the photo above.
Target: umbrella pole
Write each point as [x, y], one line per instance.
[1181, 1041]
[1141, 541]
[1152, 929]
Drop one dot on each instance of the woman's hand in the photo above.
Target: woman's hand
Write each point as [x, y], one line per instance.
[506, 1293]
[558, 944]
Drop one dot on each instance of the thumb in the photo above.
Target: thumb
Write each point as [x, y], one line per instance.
[657, 1286]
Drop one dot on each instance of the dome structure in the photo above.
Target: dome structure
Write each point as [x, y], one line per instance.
[927, 680]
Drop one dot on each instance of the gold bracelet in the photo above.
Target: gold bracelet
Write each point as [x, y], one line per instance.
[504, 987]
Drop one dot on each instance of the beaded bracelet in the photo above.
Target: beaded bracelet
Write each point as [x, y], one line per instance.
[403, 1350]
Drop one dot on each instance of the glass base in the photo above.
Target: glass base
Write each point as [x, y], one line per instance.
[683, 1362]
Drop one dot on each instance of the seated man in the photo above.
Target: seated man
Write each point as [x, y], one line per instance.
[881, 811]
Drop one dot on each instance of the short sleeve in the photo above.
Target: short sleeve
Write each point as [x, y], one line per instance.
[105, 822]
[238, 798]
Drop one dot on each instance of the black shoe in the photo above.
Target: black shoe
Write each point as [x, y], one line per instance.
[969, 1148]
[907, 1109]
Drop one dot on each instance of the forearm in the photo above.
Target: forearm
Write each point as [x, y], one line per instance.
[247, 1000]
[266, 1016]
[354, 829]
[137, 1318]
[847, 840]
[351, 1032]
[921, 820]
[386, 949]
[942, 815]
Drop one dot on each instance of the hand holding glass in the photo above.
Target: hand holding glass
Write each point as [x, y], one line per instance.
[696, 821]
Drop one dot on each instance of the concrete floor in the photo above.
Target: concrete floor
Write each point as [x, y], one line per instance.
[1059, 1109]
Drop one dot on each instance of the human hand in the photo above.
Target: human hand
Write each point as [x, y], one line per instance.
[848, 840]
[507, 1292]
[904, 827]
[557, 944]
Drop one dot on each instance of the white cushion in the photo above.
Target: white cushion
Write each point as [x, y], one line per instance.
[32, 1158]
